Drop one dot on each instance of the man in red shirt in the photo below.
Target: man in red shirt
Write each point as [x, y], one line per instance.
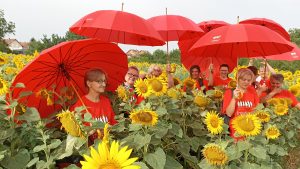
[222, 79]
[276, 91]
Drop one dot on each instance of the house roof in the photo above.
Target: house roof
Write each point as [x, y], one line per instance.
[9, 41]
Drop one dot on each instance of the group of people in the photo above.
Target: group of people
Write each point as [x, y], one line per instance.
[253, 87]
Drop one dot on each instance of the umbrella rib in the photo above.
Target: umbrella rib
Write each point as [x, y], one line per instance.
[68, 53]
[53, 58]
[262, 49]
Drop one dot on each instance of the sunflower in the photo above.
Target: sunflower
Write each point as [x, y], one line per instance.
[218, 94]
[173, 68]
[122, 93]
[158, 86]
[298, 80]
[263, 116]
[3, 87]
[10, 70]
[173, 93]
[190, 83]
[144, 117]
[281, 109]
[295, 89]
[115, 157]
[21, 108]
[141, 87]
[214, 123]
[70, 123]
[3, 60]
[201, 100]
[246, 125]
[176, 81]
[214, 154]
[273, 101]
[232, 84]
[272, 132]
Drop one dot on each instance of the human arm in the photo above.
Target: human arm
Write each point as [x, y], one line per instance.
[170, 76]
[210, 75]
[270, 95]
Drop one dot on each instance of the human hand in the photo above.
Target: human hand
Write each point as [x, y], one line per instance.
[237, 93]
[276, 90]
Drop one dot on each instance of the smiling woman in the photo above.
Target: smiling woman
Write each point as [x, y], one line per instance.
[96, 103]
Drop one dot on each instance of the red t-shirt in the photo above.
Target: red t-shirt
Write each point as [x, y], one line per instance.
[205, 83]
[244, 105]
[101, 111]
[220, 82]
[284, 94]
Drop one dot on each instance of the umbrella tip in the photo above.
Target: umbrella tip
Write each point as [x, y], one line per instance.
[238, 19]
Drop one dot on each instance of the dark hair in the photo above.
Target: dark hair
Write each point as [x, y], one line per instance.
[253, 69]
[224, 65]
[194, 67]
[134, 68]
[92, 75]
[278, 77]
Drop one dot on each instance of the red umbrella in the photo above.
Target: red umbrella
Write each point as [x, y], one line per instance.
[117, 26]
[228, 43]
[288, 56]
[64, 65]
[212, 24]
[172, 27]
[269, 24]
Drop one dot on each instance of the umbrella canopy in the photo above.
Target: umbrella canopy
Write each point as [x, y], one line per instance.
[64, 65]
[172, 27]
[288, 56]
[119, 27]
[224, 45]
[207, 26]
[269, 24]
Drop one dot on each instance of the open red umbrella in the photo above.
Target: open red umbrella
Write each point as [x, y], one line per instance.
[228, 43]
[64, 65]
[175, 27]
[288, 56]
[172, 27]
[207, 26]
[119, 27]
[269, 24]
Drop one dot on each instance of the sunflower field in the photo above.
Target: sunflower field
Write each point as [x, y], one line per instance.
[169, 129]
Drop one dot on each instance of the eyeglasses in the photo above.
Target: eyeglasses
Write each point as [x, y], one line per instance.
[133, 75]
[101, 81]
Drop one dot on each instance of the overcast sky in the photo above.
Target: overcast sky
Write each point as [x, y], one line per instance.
[33, 18]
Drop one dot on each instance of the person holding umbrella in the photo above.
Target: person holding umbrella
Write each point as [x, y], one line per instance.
[96, 103]
[222, 79]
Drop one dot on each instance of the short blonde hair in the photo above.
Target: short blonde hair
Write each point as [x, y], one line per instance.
[151, 68]
[244, 72]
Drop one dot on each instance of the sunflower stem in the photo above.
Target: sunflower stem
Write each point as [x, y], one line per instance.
[246, 152]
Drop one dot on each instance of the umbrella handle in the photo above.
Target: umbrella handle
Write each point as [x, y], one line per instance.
[79, 96]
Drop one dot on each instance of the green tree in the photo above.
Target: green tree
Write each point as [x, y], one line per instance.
[295, 36]
[71, 36]
[5, 26]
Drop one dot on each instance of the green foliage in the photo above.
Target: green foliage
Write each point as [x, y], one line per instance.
[276, 64]
[158, 56]
[295, 36]
[3, 47]
[46, 42]
[5, 26]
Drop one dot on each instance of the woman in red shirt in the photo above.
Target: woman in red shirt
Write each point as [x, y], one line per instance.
[241, 100]
[96, 103]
